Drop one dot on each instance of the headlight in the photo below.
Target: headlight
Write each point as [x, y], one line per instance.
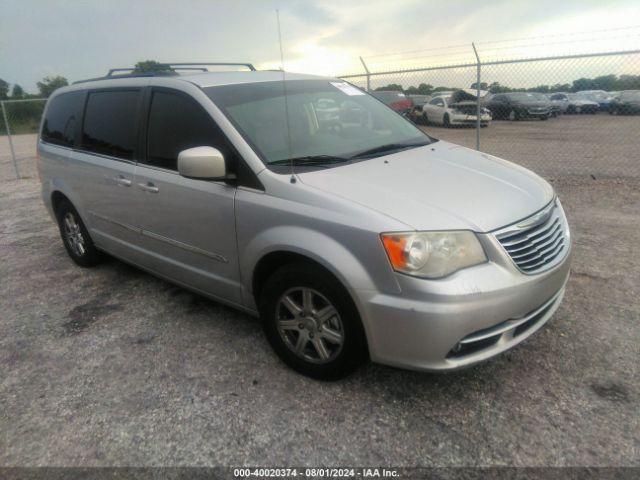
[433, 254]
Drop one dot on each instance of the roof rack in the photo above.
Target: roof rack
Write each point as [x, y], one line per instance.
[170, 69]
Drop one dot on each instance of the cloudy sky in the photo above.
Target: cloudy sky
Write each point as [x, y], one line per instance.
[80, 39]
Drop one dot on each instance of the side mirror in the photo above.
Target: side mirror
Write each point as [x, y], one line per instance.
[206, 163]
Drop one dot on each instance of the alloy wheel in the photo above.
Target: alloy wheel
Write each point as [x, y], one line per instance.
[73, 234]
[309, 325]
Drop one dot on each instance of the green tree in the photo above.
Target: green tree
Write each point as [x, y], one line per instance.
[583, 84]
[17, 92]
[149, 66]
[49, 84]
[4, 90]
[628, 82]
[425, 89]
[483, 86]
[391, 86]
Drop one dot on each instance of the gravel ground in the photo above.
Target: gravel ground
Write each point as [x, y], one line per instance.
[111, 366]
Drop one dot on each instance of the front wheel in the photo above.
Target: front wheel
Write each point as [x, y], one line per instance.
[513, 115]
[311, 322]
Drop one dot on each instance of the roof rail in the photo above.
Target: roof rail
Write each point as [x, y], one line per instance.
[193, 64]
[169, 69]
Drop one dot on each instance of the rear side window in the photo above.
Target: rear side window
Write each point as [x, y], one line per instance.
[110, 123]
[176, 123]
[62, 119]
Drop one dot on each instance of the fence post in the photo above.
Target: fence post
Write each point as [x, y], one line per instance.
[13, 152]
[478, 127]
[366, 69]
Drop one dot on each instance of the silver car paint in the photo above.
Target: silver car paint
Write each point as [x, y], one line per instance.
[209, 237]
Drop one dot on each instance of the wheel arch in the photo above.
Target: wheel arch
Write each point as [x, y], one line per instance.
[274, 260]
[57, 197]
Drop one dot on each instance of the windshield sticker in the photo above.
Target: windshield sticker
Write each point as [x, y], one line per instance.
[346, 88]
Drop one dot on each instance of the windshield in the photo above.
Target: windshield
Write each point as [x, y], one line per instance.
[326, 118]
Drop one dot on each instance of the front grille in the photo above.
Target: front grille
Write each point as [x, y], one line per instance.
[537, 242]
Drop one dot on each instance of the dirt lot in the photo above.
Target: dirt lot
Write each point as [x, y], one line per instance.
[110, 366]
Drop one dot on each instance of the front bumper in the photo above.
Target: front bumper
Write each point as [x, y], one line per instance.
[464, 119]
[534, 112]
[462, 319]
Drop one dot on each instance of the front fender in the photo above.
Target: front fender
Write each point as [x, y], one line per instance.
[310, 243]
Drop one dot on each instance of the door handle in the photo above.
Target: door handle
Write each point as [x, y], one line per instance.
[122, 182]
[148, 187]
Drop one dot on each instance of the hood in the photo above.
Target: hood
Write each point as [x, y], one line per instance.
[467, 95]
[438, 187]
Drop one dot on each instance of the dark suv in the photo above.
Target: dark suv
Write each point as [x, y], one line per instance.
[518, 105]
[627, 103]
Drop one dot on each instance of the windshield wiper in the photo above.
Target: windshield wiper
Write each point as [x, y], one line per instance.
[311, 160]
[388, 148]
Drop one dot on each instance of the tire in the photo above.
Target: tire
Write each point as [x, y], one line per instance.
[513, 115]
[544, 117]
[286, 319]
[446, 122]
[75, 236]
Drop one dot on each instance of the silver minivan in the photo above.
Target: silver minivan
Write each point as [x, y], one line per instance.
[349, 231]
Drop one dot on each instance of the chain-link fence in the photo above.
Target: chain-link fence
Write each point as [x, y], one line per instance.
[571, 114]
[558, 115]
[19, 122]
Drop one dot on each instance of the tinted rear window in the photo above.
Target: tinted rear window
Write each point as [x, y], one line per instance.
[110, 123]
[62, 119]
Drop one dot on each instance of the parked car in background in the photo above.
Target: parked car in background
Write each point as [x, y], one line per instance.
[327, 112]
[518, 105]
[459, 108]
[418, 102]
[559, 103]
[579, 103]
[573, 103]
[628, 103]
[398, 101]
[602, 98]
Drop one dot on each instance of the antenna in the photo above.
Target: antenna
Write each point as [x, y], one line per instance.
[284, 92]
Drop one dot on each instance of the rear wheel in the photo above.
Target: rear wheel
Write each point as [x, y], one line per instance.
[311, 322]
[75, 236]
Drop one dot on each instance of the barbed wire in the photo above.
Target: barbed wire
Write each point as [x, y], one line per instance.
[511, 40]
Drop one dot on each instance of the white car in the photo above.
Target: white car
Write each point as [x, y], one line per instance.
[459, 108]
